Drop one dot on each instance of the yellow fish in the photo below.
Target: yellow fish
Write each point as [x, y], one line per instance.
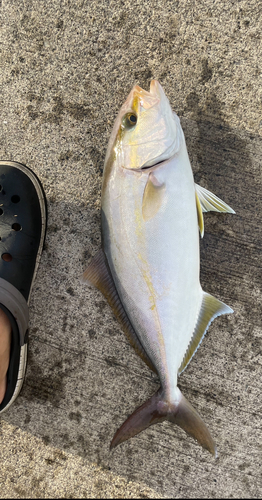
[148, 267]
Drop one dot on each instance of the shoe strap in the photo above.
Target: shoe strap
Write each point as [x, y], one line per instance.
[14, 301]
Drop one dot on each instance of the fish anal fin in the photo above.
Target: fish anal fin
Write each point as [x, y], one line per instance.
[200, 216]
[153, 197]
[210, 202]
[99, 275]
[156, 410]
[210, 309]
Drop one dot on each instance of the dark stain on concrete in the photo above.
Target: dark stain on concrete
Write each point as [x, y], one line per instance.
[84, 444]
[46, 388]
[59, 24]
[32, 112]
[76, 416]
[65, 156]
[33, 97]
[33, 31]
[46, 440]
[97, 157]
[65, 318]
[111, 332]
[58, 458]
[15, 71]
[111, 361]
[27, 419]
[92, 333]
[67, 443]
[33, 330]
[53, 228]
[207, 71]
[101, 304]
[78, 111]
[22, 493]
[144, 76]
[121, 20]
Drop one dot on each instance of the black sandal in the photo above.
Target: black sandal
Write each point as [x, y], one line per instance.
[22, 233]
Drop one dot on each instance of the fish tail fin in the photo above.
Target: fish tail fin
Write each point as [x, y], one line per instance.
[186, 417]
[155, 410]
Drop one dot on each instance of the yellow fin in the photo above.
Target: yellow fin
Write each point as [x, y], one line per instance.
[210, 309]
[99, 275]
[200, 216]
[153, 197]
[210, 202]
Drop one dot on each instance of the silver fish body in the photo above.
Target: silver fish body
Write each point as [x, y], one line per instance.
[155, 261]
[151, 213]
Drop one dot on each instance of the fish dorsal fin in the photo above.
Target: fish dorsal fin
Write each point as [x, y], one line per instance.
[210, 309]
[98, 274]
[153, 197]
[200, 217]
[210, 202]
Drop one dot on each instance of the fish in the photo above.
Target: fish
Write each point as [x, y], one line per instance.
[149, 264]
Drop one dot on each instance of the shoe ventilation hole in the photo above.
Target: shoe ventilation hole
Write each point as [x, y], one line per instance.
[16, 226]
[1, 211]
[7, 257]
[15, 198]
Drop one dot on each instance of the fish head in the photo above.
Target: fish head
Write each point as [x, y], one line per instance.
[146, 131]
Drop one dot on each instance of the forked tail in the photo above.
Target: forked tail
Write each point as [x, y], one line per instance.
[155, 410]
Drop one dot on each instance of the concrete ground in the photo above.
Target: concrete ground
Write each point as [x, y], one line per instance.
[66, 67]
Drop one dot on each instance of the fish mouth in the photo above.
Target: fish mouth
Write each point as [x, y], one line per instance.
[161, 158]
[155, 87]
[157, 164]
[154, 165]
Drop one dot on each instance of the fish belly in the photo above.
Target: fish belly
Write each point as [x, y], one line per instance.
[155, 262]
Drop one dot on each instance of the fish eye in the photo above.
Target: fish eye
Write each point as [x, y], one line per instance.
[130, 120]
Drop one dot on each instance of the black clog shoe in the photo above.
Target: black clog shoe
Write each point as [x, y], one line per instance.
[22, 233]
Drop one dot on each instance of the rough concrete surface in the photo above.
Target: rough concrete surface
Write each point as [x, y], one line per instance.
[32, 469]
[66, 67]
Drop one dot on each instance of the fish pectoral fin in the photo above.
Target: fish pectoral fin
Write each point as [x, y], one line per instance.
[210, 202]
[153, 197]
[157, 409]
[98, 274]
[210, 309]
[200, 217]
